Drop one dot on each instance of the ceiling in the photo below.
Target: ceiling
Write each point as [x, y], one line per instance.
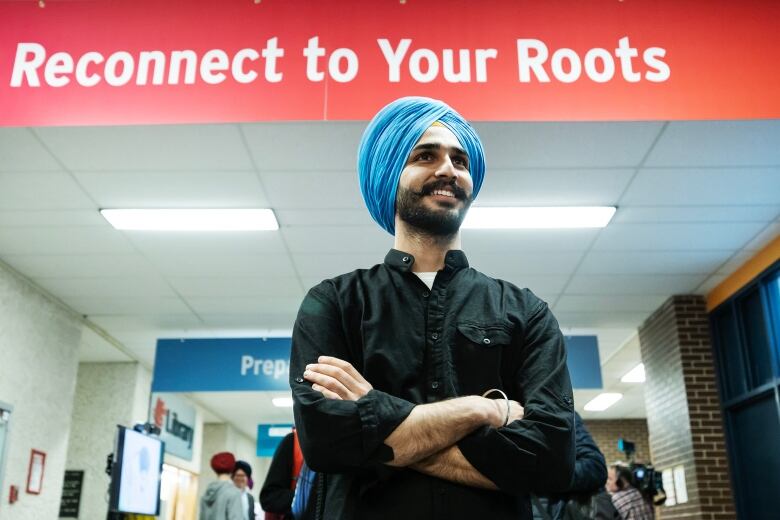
[695, 200]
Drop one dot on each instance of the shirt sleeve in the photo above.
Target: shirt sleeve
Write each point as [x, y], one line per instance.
[337, 436]
[590, 468]
[537, 452]
[276, 495]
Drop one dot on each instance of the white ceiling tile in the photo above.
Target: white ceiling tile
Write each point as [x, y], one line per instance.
[41, 191]
[691, 187]
[764, 237]
[502, 241]
[528, 263]
[180, 243]
[125, 306]
[245, 305]
[20, 151]
[566, 145]
[80, 266]
[319, 146]
[718, 143]
[322, 266]
[599, 319]
[238, 265]
[306, 190]
[274, 323]
[336, 239]
[52, 219]
[62, 241]
[609, 303]
[575, 187]
[616, 284]
[151, 148]
[684, 236]
[323, 217]
[653, 262]
[146, 327]
[104, 287]
[214, 189]
[635, 214]
[225, 287]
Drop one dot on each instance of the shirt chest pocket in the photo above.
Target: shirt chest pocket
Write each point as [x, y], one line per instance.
[479, 354]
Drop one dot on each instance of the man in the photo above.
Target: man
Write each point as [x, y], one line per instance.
[279, 488]
[626, 497]
[389, 364]
[242, 472]
[222, 499]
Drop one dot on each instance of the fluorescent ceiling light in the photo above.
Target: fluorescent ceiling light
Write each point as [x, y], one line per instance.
[282, 402]
[635, 375]
[192, 219]
[602, 401]
[538, 218]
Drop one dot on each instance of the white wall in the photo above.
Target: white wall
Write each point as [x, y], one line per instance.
[107, 394]
[39, 341]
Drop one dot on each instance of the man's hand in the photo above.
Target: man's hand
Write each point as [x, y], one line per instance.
[336, 379]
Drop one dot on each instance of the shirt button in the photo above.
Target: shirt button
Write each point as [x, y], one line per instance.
[405, 259]
[435, 385]
[486, 341]
[426, 294]
[435, 335]
[299, 380]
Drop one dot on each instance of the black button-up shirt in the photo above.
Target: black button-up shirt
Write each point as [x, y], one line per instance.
[466, 335]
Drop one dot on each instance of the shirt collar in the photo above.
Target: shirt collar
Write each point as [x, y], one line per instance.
[454, 260]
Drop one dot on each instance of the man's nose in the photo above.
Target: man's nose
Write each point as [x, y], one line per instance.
[446, 168]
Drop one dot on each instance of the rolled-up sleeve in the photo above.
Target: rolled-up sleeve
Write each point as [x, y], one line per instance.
[336, 436]
[537, 452]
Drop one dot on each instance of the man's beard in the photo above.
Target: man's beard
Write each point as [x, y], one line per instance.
[439, 223]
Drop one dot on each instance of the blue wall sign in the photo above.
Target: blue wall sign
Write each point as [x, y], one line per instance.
[221, 365]
[583, 361]
[269, 436]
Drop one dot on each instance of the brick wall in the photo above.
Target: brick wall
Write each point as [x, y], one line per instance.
[683, 412]
[606, 433]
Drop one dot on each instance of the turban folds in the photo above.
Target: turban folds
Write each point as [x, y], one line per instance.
[388, 140]
[223, 462]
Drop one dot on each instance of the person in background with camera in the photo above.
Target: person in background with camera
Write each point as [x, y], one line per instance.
[626, 497]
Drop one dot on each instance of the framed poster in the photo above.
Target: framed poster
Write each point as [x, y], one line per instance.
[35, 472]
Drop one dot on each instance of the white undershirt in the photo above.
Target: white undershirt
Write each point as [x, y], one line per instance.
[427, 278]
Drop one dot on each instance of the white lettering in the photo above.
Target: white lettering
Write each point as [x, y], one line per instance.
[268, 367]
[23, 65]
[526, 63]
[626, 53]
[281, 367]
[144, 60]
[237, 68]
[246, 364]
[334, 67]
[481, 56]
[394, 57]
[415, 65]
[189, 72]
[448, 66]
[213, 62]
[271, 53]
[312, 53]
[575, 67]
[58, 63]
[662, 70]
[607, 65]
[81, 69]
[126, 61]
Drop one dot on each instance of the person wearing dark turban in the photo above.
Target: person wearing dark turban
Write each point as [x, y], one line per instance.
[222, 499]
[423, 388]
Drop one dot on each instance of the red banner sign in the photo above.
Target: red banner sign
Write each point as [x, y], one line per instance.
[196, 61]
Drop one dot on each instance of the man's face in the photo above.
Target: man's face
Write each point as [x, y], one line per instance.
[239, 479]
[435, 188]
[612, 480]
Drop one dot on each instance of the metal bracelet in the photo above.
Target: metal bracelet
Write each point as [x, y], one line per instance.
[506, 420]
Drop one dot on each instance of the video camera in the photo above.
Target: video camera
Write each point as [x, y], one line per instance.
[645, 478]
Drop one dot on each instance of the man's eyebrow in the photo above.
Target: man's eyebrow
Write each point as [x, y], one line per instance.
[437, 146]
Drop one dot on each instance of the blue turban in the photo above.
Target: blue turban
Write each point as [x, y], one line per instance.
[388, 141]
